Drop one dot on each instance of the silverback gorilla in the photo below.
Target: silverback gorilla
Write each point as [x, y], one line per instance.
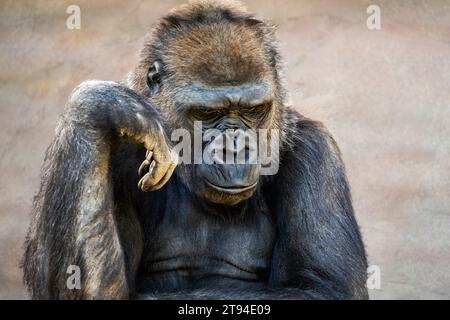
[115, 201]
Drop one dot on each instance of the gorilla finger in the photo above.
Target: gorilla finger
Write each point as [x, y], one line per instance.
[166, 177]
[159, 172]
[140, 184]
[148, 181]
[152, 167]
[145, 182]
[143, 167]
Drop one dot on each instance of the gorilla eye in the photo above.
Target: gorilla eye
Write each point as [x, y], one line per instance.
[209, 111]
[255, 110]
[205, 113]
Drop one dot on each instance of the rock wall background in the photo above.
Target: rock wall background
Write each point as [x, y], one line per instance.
[385, 95]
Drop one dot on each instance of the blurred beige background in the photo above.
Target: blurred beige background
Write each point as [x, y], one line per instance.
[385, 95]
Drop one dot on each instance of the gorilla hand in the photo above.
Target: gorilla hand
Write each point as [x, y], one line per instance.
[156, 169]
[160, 159]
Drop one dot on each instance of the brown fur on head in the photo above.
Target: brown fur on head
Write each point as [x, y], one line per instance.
[210, 42]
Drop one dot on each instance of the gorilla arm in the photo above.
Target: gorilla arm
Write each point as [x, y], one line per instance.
[73, 219]
[319, 248]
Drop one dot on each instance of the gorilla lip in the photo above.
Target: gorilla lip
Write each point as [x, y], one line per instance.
[231, 189]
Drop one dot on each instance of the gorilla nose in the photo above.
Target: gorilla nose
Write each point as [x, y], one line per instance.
[236, 146]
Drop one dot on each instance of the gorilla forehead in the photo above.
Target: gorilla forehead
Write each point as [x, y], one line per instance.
[214, 42]
[218, 54]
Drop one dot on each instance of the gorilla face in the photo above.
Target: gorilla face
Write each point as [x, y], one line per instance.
[230, 113]
[226, 83]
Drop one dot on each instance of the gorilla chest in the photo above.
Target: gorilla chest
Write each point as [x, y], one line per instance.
[189, 246]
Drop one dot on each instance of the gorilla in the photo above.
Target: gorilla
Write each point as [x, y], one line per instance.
[116, 202]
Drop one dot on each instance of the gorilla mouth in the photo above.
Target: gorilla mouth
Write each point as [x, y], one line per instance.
[235, 189]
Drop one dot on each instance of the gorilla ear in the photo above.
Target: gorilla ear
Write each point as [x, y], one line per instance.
[154, 77]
